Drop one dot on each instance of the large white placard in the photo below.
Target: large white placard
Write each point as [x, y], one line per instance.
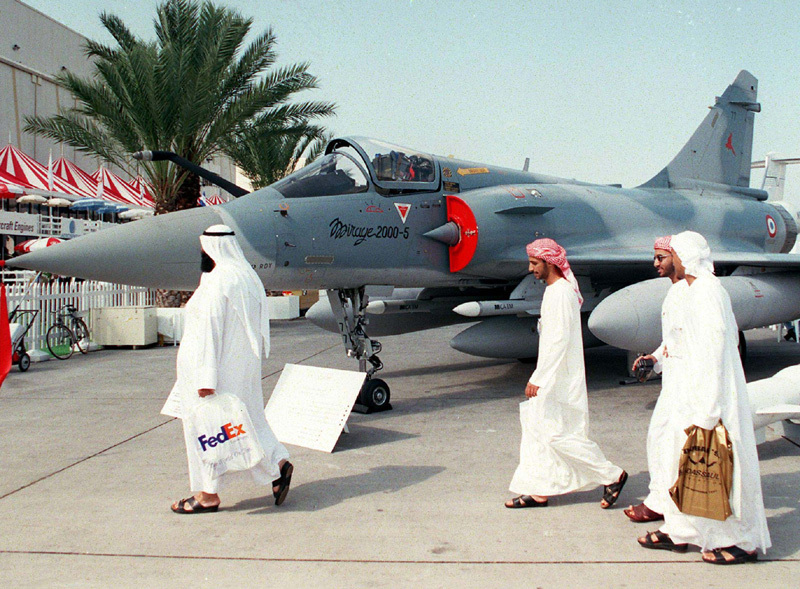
[310, 405]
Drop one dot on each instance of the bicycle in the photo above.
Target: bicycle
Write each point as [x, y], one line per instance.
[67, 333]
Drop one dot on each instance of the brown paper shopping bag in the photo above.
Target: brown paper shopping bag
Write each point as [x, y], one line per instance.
[705, 474]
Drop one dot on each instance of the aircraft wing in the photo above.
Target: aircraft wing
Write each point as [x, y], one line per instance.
[755, 259]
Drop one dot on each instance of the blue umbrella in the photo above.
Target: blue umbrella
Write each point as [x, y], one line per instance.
[88, 204]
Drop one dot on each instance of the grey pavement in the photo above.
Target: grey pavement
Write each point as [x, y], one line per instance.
[411, 497]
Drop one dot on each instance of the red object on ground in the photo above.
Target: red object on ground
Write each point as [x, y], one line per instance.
[5, 336]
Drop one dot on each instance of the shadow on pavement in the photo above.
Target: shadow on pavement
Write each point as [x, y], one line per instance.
[361, 436]
[318, 495]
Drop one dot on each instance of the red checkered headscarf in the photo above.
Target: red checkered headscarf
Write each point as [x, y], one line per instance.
[548, 250]
[663, 243]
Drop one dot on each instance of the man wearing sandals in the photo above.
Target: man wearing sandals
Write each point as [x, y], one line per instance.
[714, 389]
[226, 333]
[556, 454]
[667, 359]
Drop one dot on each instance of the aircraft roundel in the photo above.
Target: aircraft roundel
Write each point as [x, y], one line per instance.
[772, 228]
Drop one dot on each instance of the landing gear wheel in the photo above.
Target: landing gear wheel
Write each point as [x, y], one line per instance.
[24, 362]
[375, 395]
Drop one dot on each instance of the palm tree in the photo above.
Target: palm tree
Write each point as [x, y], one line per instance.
[267, 152]
[190, 91]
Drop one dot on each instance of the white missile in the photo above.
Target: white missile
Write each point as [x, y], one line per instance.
[776, 398]
[493, 308]
[388, 306]
[631, 318]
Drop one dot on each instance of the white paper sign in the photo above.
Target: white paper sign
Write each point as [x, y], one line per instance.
[310, 405]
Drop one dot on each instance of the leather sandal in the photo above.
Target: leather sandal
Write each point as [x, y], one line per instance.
[662, 542]
[611, 492]
[525, 501]
[641, 514]
[196, 507]
[739, 556]
[283, 483]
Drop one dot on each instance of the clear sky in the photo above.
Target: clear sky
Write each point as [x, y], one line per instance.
[600, 91]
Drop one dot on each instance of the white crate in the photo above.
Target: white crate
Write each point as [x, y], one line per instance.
[125, 326]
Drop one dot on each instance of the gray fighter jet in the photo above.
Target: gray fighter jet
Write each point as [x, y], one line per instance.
[437, 241]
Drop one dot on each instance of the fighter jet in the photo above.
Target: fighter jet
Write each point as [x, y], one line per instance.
[436, 240]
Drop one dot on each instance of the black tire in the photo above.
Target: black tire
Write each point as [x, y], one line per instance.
[81, 335]
[24, 362]
[60, 341]
[375, 395]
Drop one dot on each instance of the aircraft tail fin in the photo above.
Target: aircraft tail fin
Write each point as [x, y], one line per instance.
[719, 152]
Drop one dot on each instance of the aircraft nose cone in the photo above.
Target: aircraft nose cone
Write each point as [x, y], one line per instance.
[157, 252]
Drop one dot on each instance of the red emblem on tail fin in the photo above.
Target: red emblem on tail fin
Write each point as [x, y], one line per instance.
[729, 144]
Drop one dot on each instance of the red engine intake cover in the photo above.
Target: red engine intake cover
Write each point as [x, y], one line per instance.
[459, 213]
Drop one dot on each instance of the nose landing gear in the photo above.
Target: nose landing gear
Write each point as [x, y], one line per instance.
[349, 306]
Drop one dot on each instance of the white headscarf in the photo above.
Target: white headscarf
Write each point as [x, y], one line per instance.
[692, 248]
[238, 282]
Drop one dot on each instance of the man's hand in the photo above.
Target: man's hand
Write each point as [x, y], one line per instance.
[205, 392]
[531, 390]
[640, 358]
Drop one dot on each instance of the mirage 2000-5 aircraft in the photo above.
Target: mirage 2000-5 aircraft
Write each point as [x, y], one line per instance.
[443, 241]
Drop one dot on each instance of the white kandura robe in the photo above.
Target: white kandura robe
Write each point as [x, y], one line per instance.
[671, 367]
[715, 389]
[216, 352]
[556, 454]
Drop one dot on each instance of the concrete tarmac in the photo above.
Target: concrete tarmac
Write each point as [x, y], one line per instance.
[411, 497]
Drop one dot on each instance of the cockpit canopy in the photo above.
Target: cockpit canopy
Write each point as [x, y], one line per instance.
[392, 163]
[349, 162]
[330, 175]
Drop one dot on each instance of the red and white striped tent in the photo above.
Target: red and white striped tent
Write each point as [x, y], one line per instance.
[112, 187]
[26, 171]
[145, 192]
[214, 199]
[69, 172]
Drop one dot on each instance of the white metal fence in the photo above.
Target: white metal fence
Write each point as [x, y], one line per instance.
[26, 290]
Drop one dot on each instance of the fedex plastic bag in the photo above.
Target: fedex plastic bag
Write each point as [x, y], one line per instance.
[226, 438]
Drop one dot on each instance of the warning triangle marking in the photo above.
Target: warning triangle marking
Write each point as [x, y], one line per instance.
[403, 210]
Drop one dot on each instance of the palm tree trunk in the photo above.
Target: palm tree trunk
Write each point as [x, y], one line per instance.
[188, 193]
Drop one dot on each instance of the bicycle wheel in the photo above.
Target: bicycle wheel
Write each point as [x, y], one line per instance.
[59, 341]
[81, 334]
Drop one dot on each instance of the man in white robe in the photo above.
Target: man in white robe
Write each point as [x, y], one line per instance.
[667, 359]
[714, 390]
[226, 333]
[556, 454]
